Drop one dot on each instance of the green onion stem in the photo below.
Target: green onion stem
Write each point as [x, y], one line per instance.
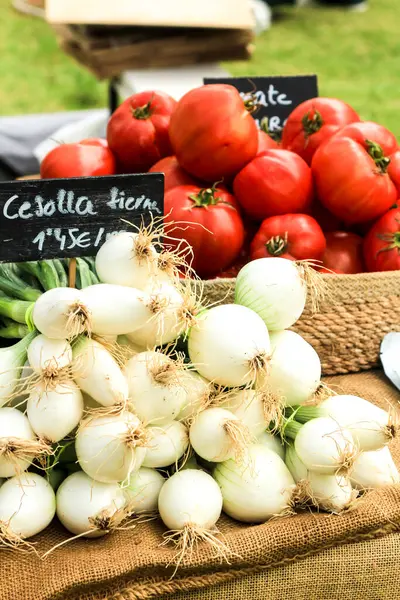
[306, 413]
[84, 273]
[91, 261]
[291, 429]
[22, 292]
[9, 271]
[49, 275]
[20, 348]
[32, 268]
[14, 331]
[62, 275]
[14, 309]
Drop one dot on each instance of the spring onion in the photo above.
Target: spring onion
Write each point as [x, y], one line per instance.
[115, 309]
[18, 443]
[275, 289]
[167, 321]
[230, 345]
[166, 444]
[251, 408]
[89, 508]
[374, 469]
[332, 493]
[258, 490]
[322, 445]
[110, 448]
[27, 506]
[371, 426]
[47, 355]
[190, 504]
[295, 369]
[154, 387]
[54, 411]
[127, 259]
[12, 360]
[60, 313]
[217, 434]
[97, 373]
[143, 490]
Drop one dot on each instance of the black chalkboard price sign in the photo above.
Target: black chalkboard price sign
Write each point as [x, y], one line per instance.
[48, 218]
[276, 96]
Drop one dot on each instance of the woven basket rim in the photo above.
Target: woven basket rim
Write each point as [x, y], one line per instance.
[364, 277]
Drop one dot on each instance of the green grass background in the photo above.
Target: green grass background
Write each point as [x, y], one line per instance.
[356, 58]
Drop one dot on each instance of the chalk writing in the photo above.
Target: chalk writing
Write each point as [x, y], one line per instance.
[42, 219]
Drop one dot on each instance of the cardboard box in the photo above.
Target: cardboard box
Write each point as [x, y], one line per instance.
[220, 14]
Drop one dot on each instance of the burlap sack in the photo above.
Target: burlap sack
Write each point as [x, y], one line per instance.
[351, 322]
[130, 565]
[360, 571]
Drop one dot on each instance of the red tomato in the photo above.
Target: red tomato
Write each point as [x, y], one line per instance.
[209, 220]
[326, 220]
[313, 122]
[84, 159]
[137, 132]
[95, 142]
[212, 133]
[174, 175]
[343, 252]
[351, 179]
[382, 244]
[330, 271]
[394, 170]
[274, 183]
[265, 140]
[296, 237]
[368, 130]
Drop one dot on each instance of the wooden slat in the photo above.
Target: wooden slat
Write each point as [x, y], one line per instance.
[235, 14]
[181, 46]
[107, 64]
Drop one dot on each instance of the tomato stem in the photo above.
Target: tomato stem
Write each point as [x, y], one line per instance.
[277, 245]
[312, 124]
[142, 112]
[275, 135]
[251, 103]
[376, 153]
[206, 196]
[393, 240]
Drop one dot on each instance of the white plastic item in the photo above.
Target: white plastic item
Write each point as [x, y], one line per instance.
[176, 82]
[94, 125]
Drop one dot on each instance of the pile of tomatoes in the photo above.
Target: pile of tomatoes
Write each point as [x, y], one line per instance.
[326, 192]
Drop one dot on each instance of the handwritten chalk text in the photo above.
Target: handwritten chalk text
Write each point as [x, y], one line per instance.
[71, 238]
[67, 203]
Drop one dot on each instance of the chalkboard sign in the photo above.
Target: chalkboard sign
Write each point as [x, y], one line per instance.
[48, 218]
[276, 96]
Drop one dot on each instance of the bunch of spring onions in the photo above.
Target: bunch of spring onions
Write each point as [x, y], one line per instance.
[339, 448]
[129, 397]
[21, 284]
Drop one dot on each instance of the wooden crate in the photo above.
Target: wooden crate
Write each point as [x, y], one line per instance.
[108, 51]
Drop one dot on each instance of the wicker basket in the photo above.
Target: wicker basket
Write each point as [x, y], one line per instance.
[349, 327]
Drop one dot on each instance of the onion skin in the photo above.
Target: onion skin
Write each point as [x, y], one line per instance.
[258, 492]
